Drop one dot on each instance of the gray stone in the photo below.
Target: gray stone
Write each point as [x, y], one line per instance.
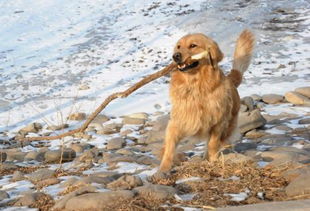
[301, 205]
[161, 123]
[249, 102]
[8, 166]
[256, 97]
[56, 156]
[98, 201]
[89, 156]
[14, 155]
[250, 120]
[126, 182]
[101, 118]
[157, 192]
[77, 116]
[29, 199]
[254, 134]
[60, 204]
[97, 179]
[31, 128]
[236, 158]
[38, 156]
[47, 182]
[3, 156]
[304, 121]
[57, 127]
[110, 129]
[133, 121]
[17, 176]
[140, 115]
[3, 195]
[272, 98]
[241, 147]
[116, 143]
[243, 108]
[292, 173]
[40, 174]
[297, 99]
[299, 186]
[124, 152]
[275, 139]
[155, 136]
[305, 91]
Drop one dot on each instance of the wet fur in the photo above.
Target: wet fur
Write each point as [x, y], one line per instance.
[205, 102]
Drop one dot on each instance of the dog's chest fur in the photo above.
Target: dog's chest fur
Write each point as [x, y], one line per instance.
[200, 101]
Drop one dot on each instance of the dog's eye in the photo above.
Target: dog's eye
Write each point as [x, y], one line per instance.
[193, 46]
[178, 46]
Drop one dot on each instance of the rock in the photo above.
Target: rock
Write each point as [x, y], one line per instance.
[77, 116]
[40, 175]
[284, 155]
[29, 199]
[98, 201]
[305, 91]
[126, 132]
[38, 156]
[55, 156]
[97, 179]
[31, 128]
[275, 139]
[292, 173]
[124, 152]
[47, 182]
[3, 156]
[3, 195]
[241, 147]
[249, 102]
[13, 155]
[250, 120]
[79, 148]
[304, 121]
[133, 121]
[297, 99]
[243, 108]
[156, 192]
[8, 166]
[236, 158]
[161, 123]
[154, 136]
[90, 156]
[60, 205]
[110, 129]
[272, 98]
[126, 182]
[101, 118]
[256, 97]
[254, 134]
[57, 127]
[17, 176]
[116, 143]
[299, 186]
[141, 115]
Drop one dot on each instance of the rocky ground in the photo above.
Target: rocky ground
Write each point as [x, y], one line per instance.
[115, 159]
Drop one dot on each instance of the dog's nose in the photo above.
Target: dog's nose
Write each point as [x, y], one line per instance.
[177, 57]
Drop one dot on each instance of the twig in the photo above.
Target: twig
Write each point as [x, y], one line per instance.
[110, 98]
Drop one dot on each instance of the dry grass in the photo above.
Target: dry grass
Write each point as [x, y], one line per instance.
[25, 170]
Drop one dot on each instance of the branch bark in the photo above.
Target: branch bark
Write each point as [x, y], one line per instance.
[110, 98]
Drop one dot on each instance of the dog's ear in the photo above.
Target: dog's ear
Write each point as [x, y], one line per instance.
[216, 53]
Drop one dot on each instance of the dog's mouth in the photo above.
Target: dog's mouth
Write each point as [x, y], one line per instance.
[185, 67]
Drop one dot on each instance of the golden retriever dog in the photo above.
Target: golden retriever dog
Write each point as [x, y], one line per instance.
[205, 102]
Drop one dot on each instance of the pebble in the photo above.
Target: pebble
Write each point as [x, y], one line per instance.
[133, 121]
[304, 121]
[115, 143]
[299, 186]
[272, 98]
[17, 176]
[31, 128]
[29, 199]
[250, 120]
[156, 192]
[98, 201]
[55, 156]
[305, 91]
[40, 175]
[3, 195]
[33, 155]
[57, 127]
[126, 182]
[297, 99]
[77, 116]
[248, 102]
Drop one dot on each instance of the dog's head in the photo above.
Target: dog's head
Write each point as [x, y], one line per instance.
[193, 44]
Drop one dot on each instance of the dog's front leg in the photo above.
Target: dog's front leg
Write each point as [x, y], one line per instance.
[173, 136]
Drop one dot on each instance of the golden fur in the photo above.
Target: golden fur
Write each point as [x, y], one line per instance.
[205, 102]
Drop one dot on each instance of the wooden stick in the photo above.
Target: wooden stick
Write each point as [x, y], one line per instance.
[110, 98]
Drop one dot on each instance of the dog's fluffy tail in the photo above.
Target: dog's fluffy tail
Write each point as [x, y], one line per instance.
[242, 56]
